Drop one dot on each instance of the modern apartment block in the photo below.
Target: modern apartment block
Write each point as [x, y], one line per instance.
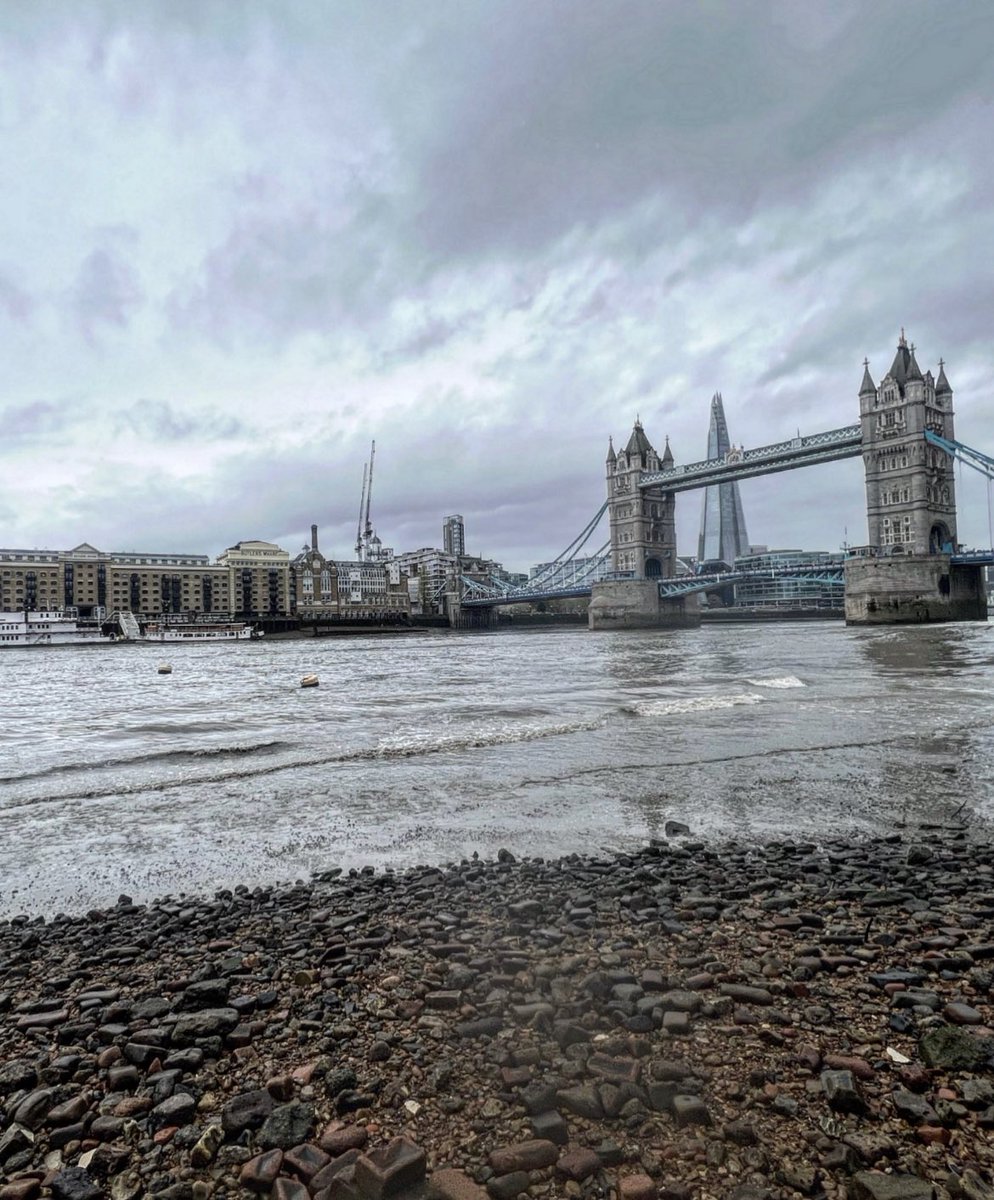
[454, 535]
[429, 572]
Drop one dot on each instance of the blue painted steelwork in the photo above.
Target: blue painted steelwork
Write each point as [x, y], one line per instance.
[830, 446]
[964, 454]
[976, 557]
[688, 585]
[498, 592]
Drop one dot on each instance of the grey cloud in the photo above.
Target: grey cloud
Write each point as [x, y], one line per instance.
[285, 274]
[106, 292]
[15, 301]
[39, 419]
[159, 421]
[552, 122]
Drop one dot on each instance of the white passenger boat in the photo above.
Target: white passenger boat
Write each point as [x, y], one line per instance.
[48, 627]
[167, 631]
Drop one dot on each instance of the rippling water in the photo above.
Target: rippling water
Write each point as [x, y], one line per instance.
[429, 747]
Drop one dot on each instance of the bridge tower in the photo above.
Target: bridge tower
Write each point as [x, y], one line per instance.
[910, 486]
[643, 523]
[643, 544]
[905, 573]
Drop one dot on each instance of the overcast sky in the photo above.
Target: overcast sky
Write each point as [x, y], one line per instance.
[240, 240]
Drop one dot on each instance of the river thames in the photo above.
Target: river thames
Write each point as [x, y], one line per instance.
[430, 747]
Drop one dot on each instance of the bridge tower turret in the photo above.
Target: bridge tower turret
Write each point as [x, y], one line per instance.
[910, 486]
[643, 526]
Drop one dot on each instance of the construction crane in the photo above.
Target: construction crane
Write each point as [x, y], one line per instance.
[367, 545]
[362, 505]
[367, 533]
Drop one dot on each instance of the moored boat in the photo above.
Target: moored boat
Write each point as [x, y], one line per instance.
[48, 627]
[188, 631]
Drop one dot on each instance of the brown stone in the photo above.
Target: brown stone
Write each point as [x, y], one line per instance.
[343, 1165]
[133, 1106]
[578, 1163]
[69, 1113]
[390, 1169]
[336, 1139]
[259, 1173]
[289, 1189]
[280, 1087]
[847, 1062]
[962, 1014]
[449, 1184]
[524, 1156]
[637, 1187]
[305, 1161]
[21, 1189]
[614, 1070]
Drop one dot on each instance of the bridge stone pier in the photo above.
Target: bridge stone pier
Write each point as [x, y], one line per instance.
[911, 570]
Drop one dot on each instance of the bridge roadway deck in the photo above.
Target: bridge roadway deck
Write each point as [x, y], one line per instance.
[831, 572]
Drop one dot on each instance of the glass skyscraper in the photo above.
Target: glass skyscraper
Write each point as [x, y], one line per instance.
[723, 534]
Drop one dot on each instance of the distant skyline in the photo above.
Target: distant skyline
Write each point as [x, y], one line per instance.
[243, 240]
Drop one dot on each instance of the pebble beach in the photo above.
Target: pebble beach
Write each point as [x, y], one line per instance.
[687, 1021]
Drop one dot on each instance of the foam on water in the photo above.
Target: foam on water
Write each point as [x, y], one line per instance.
[692, 704]
[417, 743]
[778, 682]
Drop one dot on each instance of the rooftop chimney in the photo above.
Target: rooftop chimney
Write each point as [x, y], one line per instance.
[314, 537]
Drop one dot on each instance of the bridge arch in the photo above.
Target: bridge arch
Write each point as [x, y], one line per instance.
[939, 537]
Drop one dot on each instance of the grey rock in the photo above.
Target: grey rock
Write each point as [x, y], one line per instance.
[246, 1111]
[17, 1075]
[841, 1092]
[75, 1184]
[952, 1048]
[875, 1185]
[287, 1126]
[584, 1101]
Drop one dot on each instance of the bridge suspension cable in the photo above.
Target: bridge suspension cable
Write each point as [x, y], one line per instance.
[962, 453]
[571, 551]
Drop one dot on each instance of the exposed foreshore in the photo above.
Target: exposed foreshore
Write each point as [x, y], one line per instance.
[745, 1022]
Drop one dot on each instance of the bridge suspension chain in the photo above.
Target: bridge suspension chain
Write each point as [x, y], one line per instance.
[572, 549]
[963, 453]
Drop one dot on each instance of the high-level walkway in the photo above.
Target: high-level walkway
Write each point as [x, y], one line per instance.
[764, 460]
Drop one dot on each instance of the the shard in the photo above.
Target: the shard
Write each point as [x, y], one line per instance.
[723, 534]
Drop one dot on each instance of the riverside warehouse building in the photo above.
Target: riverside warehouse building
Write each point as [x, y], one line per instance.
[250, 580]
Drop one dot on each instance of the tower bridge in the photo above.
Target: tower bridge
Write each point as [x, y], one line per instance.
[911, 569]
